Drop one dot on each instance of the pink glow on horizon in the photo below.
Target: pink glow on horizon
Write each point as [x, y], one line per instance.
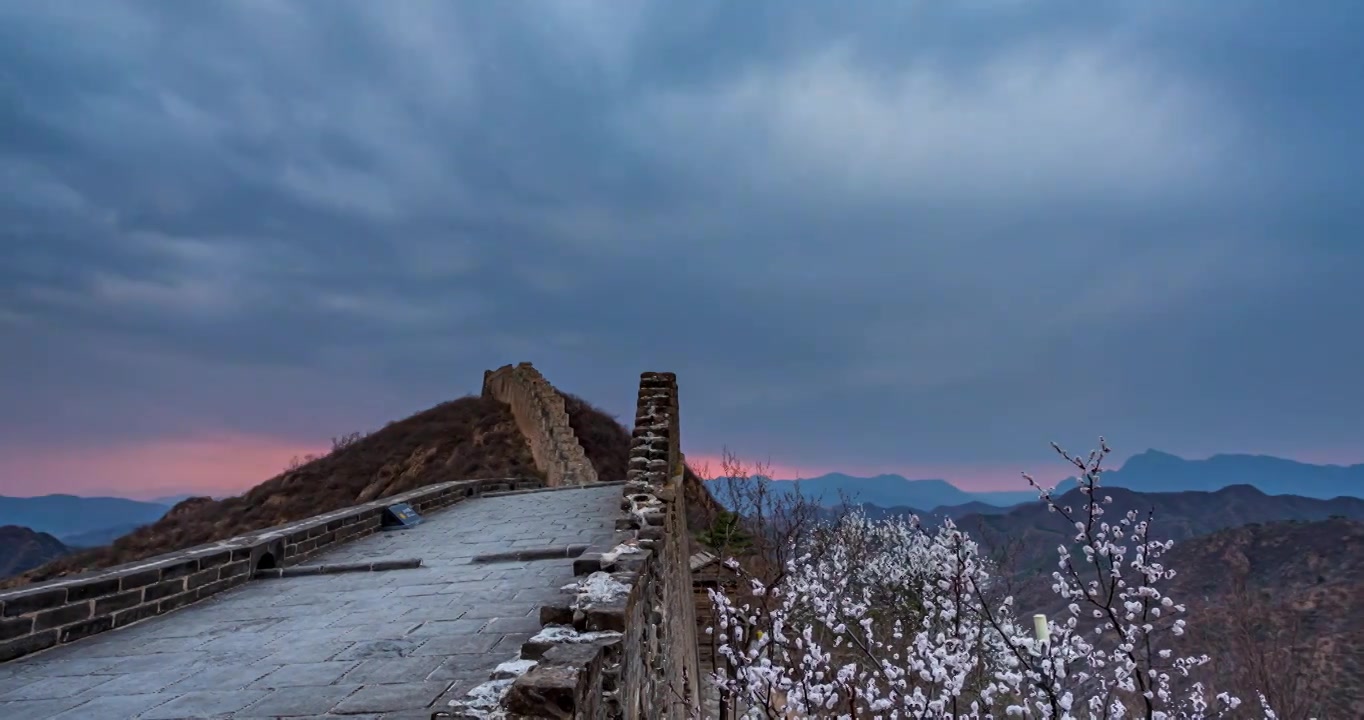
[226, 464]
[216, 465]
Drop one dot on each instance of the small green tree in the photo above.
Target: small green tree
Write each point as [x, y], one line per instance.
[726, 535]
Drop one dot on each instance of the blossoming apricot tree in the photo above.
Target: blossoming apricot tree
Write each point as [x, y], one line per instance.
[892, 619]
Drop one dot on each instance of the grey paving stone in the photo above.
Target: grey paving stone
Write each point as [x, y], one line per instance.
[54, 687]
[37, 709]
[204, 703]
[224, 677]
[401, 715]
[306, 653]
[433, 613]
[458, 670]
[307, 700]
[504, 625]
[114, 706]
[13, 682]
[142, 681]
[428, 589]
[304, 675]
[381, 631]
[433, 628]
[391, 698]
[393, 670]
[457, 645]
[511, 644]
[501, 610]
[374, 649]
[63, 667]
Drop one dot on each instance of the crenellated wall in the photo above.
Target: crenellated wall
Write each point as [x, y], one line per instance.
[541, 417]
[624, 645]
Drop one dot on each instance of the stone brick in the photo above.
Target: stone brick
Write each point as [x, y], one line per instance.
[180, 569]
[21, 646]
[236, 567]
[140, 578]
[114, 603]
[214, 560]
[86, 628]
[61, 616]
[92, 589]
[163, 589]
[175, 602]
[15, 627]
[213, 588]
[134, 614]
[33, 601]
[201, 578]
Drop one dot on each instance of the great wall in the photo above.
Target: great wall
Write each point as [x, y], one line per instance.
[396, 614]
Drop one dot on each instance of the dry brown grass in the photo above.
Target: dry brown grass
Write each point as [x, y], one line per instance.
[605, 441]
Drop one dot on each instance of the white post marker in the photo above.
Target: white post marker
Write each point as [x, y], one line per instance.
[1039, 626]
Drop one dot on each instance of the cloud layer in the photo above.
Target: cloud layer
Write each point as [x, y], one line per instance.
[911, 236]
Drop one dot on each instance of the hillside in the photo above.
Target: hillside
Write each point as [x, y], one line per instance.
[472, 437]
[1178, 516]
[1273, 585]
[1276, 605]
[23, 549]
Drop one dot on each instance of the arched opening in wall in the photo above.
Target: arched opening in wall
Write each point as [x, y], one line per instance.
[266, 561]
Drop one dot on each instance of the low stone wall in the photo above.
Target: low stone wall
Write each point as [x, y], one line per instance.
[43, 615]
[624, 644]
[541, 416]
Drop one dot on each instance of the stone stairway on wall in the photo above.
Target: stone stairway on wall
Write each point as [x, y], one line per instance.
[542, 417]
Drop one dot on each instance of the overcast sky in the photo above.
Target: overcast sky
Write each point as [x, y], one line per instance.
[914, 237]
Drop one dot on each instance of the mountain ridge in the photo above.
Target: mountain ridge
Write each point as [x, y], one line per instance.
[60, 514]
[1148, 471]
[22, 549]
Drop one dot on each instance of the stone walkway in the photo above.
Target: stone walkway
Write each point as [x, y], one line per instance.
[358, 645]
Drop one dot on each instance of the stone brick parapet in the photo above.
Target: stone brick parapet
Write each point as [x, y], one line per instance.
[40, 616]
[543, 419]
[622, 641]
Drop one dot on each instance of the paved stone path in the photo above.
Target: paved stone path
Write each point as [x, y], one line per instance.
[357, 645]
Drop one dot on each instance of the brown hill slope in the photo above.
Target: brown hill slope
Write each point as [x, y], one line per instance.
[23, 549]
[605, 441]
[1275, 604]
[1277, 607]
[472, 437]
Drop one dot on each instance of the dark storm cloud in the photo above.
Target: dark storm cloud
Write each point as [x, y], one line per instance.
[910, 233]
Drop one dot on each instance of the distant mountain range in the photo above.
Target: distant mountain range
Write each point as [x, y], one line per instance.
[1155, 471]
[883, 491]
[1150, 471]
[80, 521]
